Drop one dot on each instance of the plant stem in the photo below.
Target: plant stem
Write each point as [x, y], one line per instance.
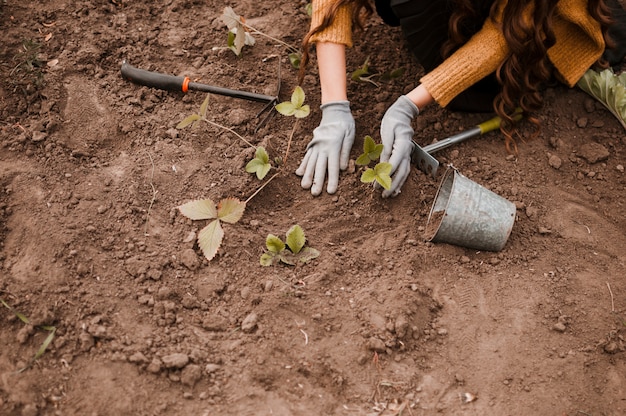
[261, 187]
[230, 130]
[256, 31]
[293, 130]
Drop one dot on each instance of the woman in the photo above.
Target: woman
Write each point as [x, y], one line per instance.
[478, 55]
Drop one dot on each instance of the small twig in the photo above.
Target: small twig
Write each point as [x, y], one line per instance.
[293, 130]
[258, 32]
[230, 130]
[261, 187]
[306, 337]
[612, 298]
[154, 193]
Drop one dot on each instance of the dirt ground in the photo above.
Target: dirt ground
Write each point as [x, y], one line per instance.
[382, 323]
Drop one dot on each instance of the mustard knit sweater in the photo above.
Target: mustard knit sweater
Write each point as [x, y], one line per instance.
[579, 43]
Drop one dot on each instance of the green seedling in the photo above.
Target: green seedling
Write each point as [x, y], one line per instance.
[296, 108]
[201, 116]
[260, 164]
[371, 152]
[609, 89]
[291, 252]
[239, 35]
[380, 173]
[46, 343]
[28, 65]
[229, 210]
[362, 74]
[396, 73]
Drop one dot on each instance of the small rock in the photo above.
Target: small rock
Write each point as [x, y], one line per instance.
[531, 212]
[86, 341]
[593, 152]
[555, 162]
[189, 258]
[175, 361]
[611, 347]
[582, 122]
[376, 345]
[268, 285]
[249, 324]
[589, 105]
[464, 260]
[212, 368]
[155, 366]
[191, 375]
[620, 168]
[39, 136]
[559, 327]
[24, 333]
[138, 358]
[544, 231]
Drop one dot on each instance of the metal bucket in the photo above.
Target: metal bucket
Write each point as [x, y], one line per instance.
[466, 214]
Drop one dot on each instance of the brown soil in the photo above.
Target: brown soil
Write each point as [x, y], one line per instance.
[382, 323]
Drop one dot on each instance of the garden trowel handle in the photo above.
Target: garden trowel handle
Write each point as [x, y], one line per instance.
[482, 128]
[183, 84]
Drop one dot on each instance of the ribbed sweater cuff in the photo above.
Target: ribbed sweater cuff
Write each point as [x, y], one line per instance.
[340, 31]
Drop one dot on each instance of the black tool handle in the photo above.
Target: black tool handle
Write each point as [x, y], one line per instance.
[153, 79]
[182, 84]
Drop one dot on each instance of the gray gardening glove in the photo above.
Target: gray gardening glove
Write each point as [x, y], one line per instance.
[396, 134]
[329, 150]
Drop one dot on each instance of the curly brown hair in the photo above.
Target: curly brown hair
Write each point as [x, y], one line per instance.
[525, 70]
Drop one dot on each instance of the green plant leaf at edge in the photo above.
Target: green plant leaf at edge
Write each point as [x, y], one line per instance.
[295, 238]
[230, 210]
[201, 209]
[204, 106]
[297, 97]
[274, 244]
[286, 108]
[188, 120]
[258, 167]
[267, 259]
[307, 254]
[609, 89]
[210, 239]
[380, 173]
[302, 112]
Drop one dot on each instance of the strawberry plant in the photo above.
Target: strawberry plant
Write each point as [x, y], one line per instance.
[291, 252]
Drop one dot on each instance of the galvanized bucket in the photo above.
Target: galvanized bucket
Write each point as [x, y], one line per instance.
[467, 214]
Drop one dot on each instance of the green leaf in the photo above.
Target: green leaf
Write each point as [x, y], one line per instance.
[295, 58]
[256, 166]
[288, 257]
[230, 210]
[295, 239]
[204, 106]
[202, 209]
[286, 108]
[210, 239]
[297, 97]
[609, 89]
[260, 164]
[267, 259]
[307, 254]
[19, 315]
[358, 74]
[368, 176]
[302, 112]
[188, 120]
[371, 151]
[380, 174]
[382, 171]
[274, 244]
[46, 342]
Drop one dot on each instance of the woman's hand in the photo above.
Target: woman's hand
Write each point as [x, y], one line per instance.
[396, 134]
[329, 151]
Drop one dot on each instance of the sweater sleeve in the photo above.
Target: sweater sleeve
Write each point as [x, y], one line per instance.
[479, 57]
[340, 30]
[579, 40]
